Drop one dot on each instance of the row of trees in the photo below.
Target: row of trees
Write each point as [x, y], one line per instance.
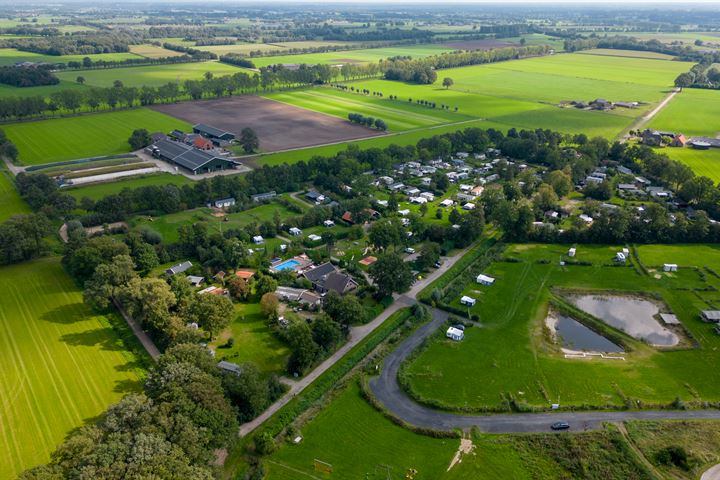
[621, 42]
[77, 44]
[701, 75]
[367, 121]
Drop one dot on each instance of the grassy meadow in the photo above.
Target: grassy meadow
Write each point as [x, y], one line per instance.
[10, 201]
[510, 356]
[702, 162]
[10, 56]
[62, 365]
[153, 75]
[97, 191]
[55, 140]
[692, 112]
[399, 116]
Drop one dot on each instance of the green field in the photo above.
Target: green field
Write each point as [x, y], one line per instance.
[626, 53]
[10, 201]
[41, 91]
[509, 356]
[368, 55]
[254, 341]
[84, 136]
[151, 51]
[62, 365]
[154, 75]
[10, 56]
[99, 190]
[399, 116]
[246, 48]
[691, 112]
[703, 162]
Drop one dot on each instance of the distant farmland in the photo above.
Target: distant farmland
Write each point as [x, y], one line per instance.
[62, 365]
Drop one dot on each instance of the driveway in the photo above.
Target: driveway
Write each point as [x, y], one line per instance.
[388, 392]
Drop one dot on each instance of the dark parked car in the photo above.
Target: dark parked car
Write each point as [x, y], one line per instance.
[560, 426]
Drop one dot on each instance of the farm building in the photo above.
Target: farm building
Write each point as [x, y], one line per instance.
[485, 280]
[455, 334]
[711, 316]
[189, 158]
[225, 203]
[179, 268]
[703, 143]
[670, 267]
[467, 301]
[213, 133]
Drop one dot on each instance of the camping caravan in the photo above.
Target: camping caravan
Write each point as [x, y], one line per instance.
[455, 334]
[485, 280]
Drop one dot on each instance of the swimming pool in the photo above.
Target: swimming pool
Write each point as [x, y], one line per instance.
[287, 265]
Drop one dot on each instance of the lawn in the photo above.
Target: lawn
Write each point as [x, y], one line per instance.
[399, 116]
[684, 255]
[154, 75]
[510, 356]
[254, 342]
[10, 201]
[62, 365]
[48, 141]
[99, 190]
[691, 112]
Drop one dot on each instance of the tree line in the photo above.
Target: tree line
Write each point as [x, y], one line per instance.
[621, 42]
[701, 75]
[27, 76]
[76, 44]
[367, 121]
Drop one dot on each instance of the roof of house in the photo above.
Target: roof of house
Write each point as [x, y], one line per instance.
[179, 268]
[201, 142]
[711, 314]
[339, 282]
[230, 367]
[316, 274]
[244, 274]
[210, 130]
[455, 332]
[368, 260]
[185, 155]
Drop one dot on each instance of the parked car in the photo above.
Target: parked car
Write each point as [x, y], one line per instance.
[560, 426]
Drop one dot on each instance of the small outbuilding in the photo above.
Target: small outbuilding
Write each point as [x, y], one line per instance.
[179, 268]
[294, 231]
[670, 267]
[485, 280]
[467, 301]
[571, 252]
[620, 257]
[195, 281]
[712, 316]
[455, 334]
[258, 240]
[230, 367]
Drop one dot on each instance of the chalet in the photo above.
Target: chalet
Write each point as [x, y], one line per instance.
[467, 301]
[194, 280]
[327, 277]
[404, 212]
[469, 206]
[261, 197]
[477, 190]
[314, 196]
[294, 231]
[179, 268]
[213, 133]
[464, 197]
[412, 191]
[418, 200]
[712, 316]
[258, 240]
[387, 180]
[244, 274]
[189, 158]
[229, 367]
[225, 203]
[447, 203]
[395, 187]
[455, 334]
[314, 238]
[329, 223]
[669, 319]
[624, 170]
[485, 280]
[429, 196]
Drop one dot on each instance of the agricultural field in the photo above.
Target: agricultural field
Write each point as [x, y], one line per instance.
[702, 162]
[399, 116]
[41, 91]
[368, 55]
[10, 56]
[611, 52]
[62, 365]
[246, 48]
[48, 141]
[377, 449]
[10, 201]
[152, 51]
[100, 190]
[510, 355]
[153, 75]
[691, 112]
[253, 341]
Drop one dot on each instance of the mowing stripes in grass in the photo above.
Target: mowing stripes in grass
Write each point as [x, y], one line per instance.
[62, 366]
[10, 201]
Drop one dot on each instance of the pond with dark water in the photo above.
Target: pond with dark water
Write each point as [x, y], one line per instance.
[632, 315]
[576, 336]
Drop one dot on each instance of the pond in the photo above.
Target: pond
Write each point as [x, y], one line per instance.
[634, 316]
[576, 336]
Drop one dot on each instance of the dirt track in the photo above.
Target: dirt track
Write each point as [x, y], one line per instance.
[278, 126]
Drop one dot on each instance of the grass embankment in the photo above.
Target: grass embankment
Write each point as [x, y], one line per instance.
[62, 365]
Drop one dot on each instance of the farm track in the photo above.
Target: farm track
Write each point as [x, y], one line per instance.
[387, 390]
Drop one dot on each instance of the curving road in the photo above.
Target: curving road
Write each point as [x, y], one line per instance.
[386, 389]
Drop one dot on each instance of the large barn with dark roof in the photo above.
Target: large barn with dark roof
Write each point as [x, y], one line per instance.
[208, 131]
[189, 158]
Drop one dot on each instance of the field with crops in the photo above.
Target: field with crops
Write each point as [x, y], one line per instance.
[153, 75]
[10, 56]
[691, 112]
[62, 365]
[69, 138]
[702, 162]
[509, 357]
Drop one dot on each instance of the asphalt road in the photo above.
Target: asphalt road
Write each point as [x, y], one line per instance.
[386, 389]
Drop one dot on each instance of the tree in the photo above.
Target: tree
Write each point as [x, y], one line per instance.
[391, 274]
[386, 232]
[685, 79]
[429, 255]
[107, 281]
[448, 82]
[380, 124]
[211, 312]
[546, 198]
[344, 309]
[247, 391]
[80, 79]
[238, 288]
[560, 182]
[265, 284]
[269, 305]
[140, 138]
[249, 140]
[326, 333]
[303, 348]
